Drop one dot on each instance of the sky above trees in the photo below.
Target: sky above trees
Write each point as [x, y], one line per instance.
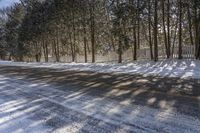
[6, 3]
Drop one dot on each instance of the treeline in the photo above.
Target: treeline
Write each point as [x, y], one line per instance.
[36, 29]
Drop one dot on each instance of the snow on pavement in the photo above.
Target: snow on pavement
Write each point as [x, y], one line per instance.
[169, 68]
[26, 107]
[15, 111]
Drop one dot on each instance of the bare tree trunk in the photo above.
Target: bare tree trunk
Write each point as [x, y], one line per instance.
[47, 53]
[72, 49]
[57, 51]
[197, 45]
[155, 31]
[174, 39]
[164, 29]
[190, 25]
[149, 26]
[38, 54]
[112, 42]
[138, 24]
[134, 18]
[74, 33]
[10, 57]
[85, 42]
[168, 28]
[180, 30]
[120, 51]
[45, 49]
[135, 43]
[92, 26]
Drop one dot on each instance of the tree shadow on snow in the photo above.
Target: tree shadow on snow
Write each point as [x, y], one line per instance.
[103, 92]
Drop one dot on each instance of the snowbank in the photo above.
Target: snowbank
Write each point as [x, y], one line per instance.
[169, 68]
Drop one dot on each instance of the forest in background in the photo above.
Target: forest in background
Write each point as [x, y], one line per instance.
[40, 30]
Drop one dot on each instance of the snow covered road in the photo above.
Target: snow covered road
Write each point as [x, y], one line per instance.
[185, 69]
[46, 100]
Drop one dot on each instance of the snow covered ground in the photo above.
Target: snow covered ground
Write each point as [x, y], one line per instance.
[31, 104]
[27, 107]
[169, 68]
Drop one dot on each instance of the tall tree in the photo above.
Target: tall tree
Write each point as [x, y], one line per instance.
[164, 29]
[155, 30]
[92, 28]
[168, 28]
[180, 30]
[149, 28]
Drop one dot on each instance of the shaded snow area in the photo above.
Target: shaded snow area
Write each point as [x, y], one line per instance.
[27, 107]
[169, 68]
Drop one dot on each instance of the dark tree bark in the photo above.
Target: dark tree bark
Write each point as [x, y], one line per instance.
[190, 25]
[57, 48]
[149, 26]
[174, 38]
[196, 27]
[168, 28]
[120, 51]
[155, 30]
[164, 29]
[92, 28]
[135, 43]
[72, 49]
[45, 49]
[74, 32]
[85, 41]
[138, 24]
[180, 31]
[38, 53]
